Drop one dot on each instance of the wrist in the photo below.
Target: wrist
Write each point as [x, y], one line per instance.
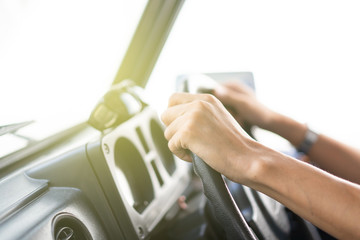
[264, 172]
[250, 164]
[308, 141]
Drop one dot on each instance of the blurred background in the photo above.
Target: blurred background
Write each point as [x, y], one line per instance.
[57, 58]
[304, 55]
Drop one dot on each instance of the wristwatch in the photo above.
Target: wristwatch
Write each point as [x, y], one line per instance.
[309, 140]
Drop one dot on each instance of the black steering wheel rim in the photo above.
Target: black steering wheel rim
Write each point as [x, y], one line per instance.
[220, 198]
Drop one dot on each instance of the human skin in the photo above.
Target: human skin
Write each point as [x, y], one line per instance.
[327, 153]
[201, 124]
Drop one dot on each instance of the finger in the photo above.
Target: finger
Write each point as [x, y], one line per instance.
[177, 148]
[181, 98]
[174, 126]
[172, 113]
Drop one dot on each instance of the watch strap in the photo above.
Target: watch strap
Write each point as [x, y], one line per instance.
[310, 138]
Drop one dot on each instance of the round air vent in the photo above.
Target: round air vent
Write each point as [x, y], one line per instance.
[68, 227]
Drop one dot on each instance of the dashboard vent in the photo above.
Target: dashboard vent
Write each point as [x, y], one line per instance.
[67, 227]
[130, 162]
[161, 145]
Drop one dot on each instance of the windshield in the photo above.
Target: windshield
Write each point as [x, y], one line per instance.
[304, 55]
[57, 58]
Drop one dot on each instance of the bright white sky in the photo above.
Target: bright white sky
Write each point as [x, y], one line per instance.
[57, 58]
[305, 55]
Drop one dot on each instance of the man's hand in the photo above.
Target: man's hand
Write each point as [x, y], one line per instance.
[201, 124]
[243, 104]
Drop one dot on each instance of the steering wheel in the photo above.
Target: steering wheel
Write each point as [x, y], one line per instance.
[215, 189]
[225, 208]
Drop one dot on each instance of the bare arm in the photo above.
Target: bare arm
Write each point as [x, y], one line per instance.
[327, 153]
[327, 201]
[201, 124]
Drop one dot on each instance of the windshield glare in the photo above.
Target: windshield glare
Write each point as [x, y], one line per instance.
[304, 55]
[57, 58]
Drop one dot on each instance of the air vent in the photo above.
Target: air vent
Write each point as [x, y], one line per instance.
[158, 176]
[68, 227]
[161, 145]
[131, 164]
[142, 139]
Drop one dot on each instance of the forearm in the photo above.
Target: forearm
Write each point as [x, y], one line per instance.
[328, 154]
[287, 128]
[325, 200]
[336, 158]
[201, 124]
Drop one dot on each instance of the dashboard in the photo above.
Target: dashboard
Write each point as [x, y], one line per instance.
[118, 185]
[139, 172]
[124, 183]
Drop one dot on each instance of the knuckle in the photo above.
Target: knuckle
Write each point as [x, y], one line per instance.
[186, 134]
[173, 144]
[209, 98]
[195, 116]
[200, 105]
[173, 98]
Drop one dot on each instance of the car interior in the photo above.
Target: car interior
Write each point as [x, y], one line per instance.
[112, 176]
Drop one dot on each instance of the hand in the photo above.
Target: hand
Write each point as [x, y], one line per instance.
[201, 124]
[243, 105]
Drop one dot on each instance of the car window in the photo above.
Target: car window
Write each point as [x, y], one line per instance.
[304, 56]
[57, 58]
